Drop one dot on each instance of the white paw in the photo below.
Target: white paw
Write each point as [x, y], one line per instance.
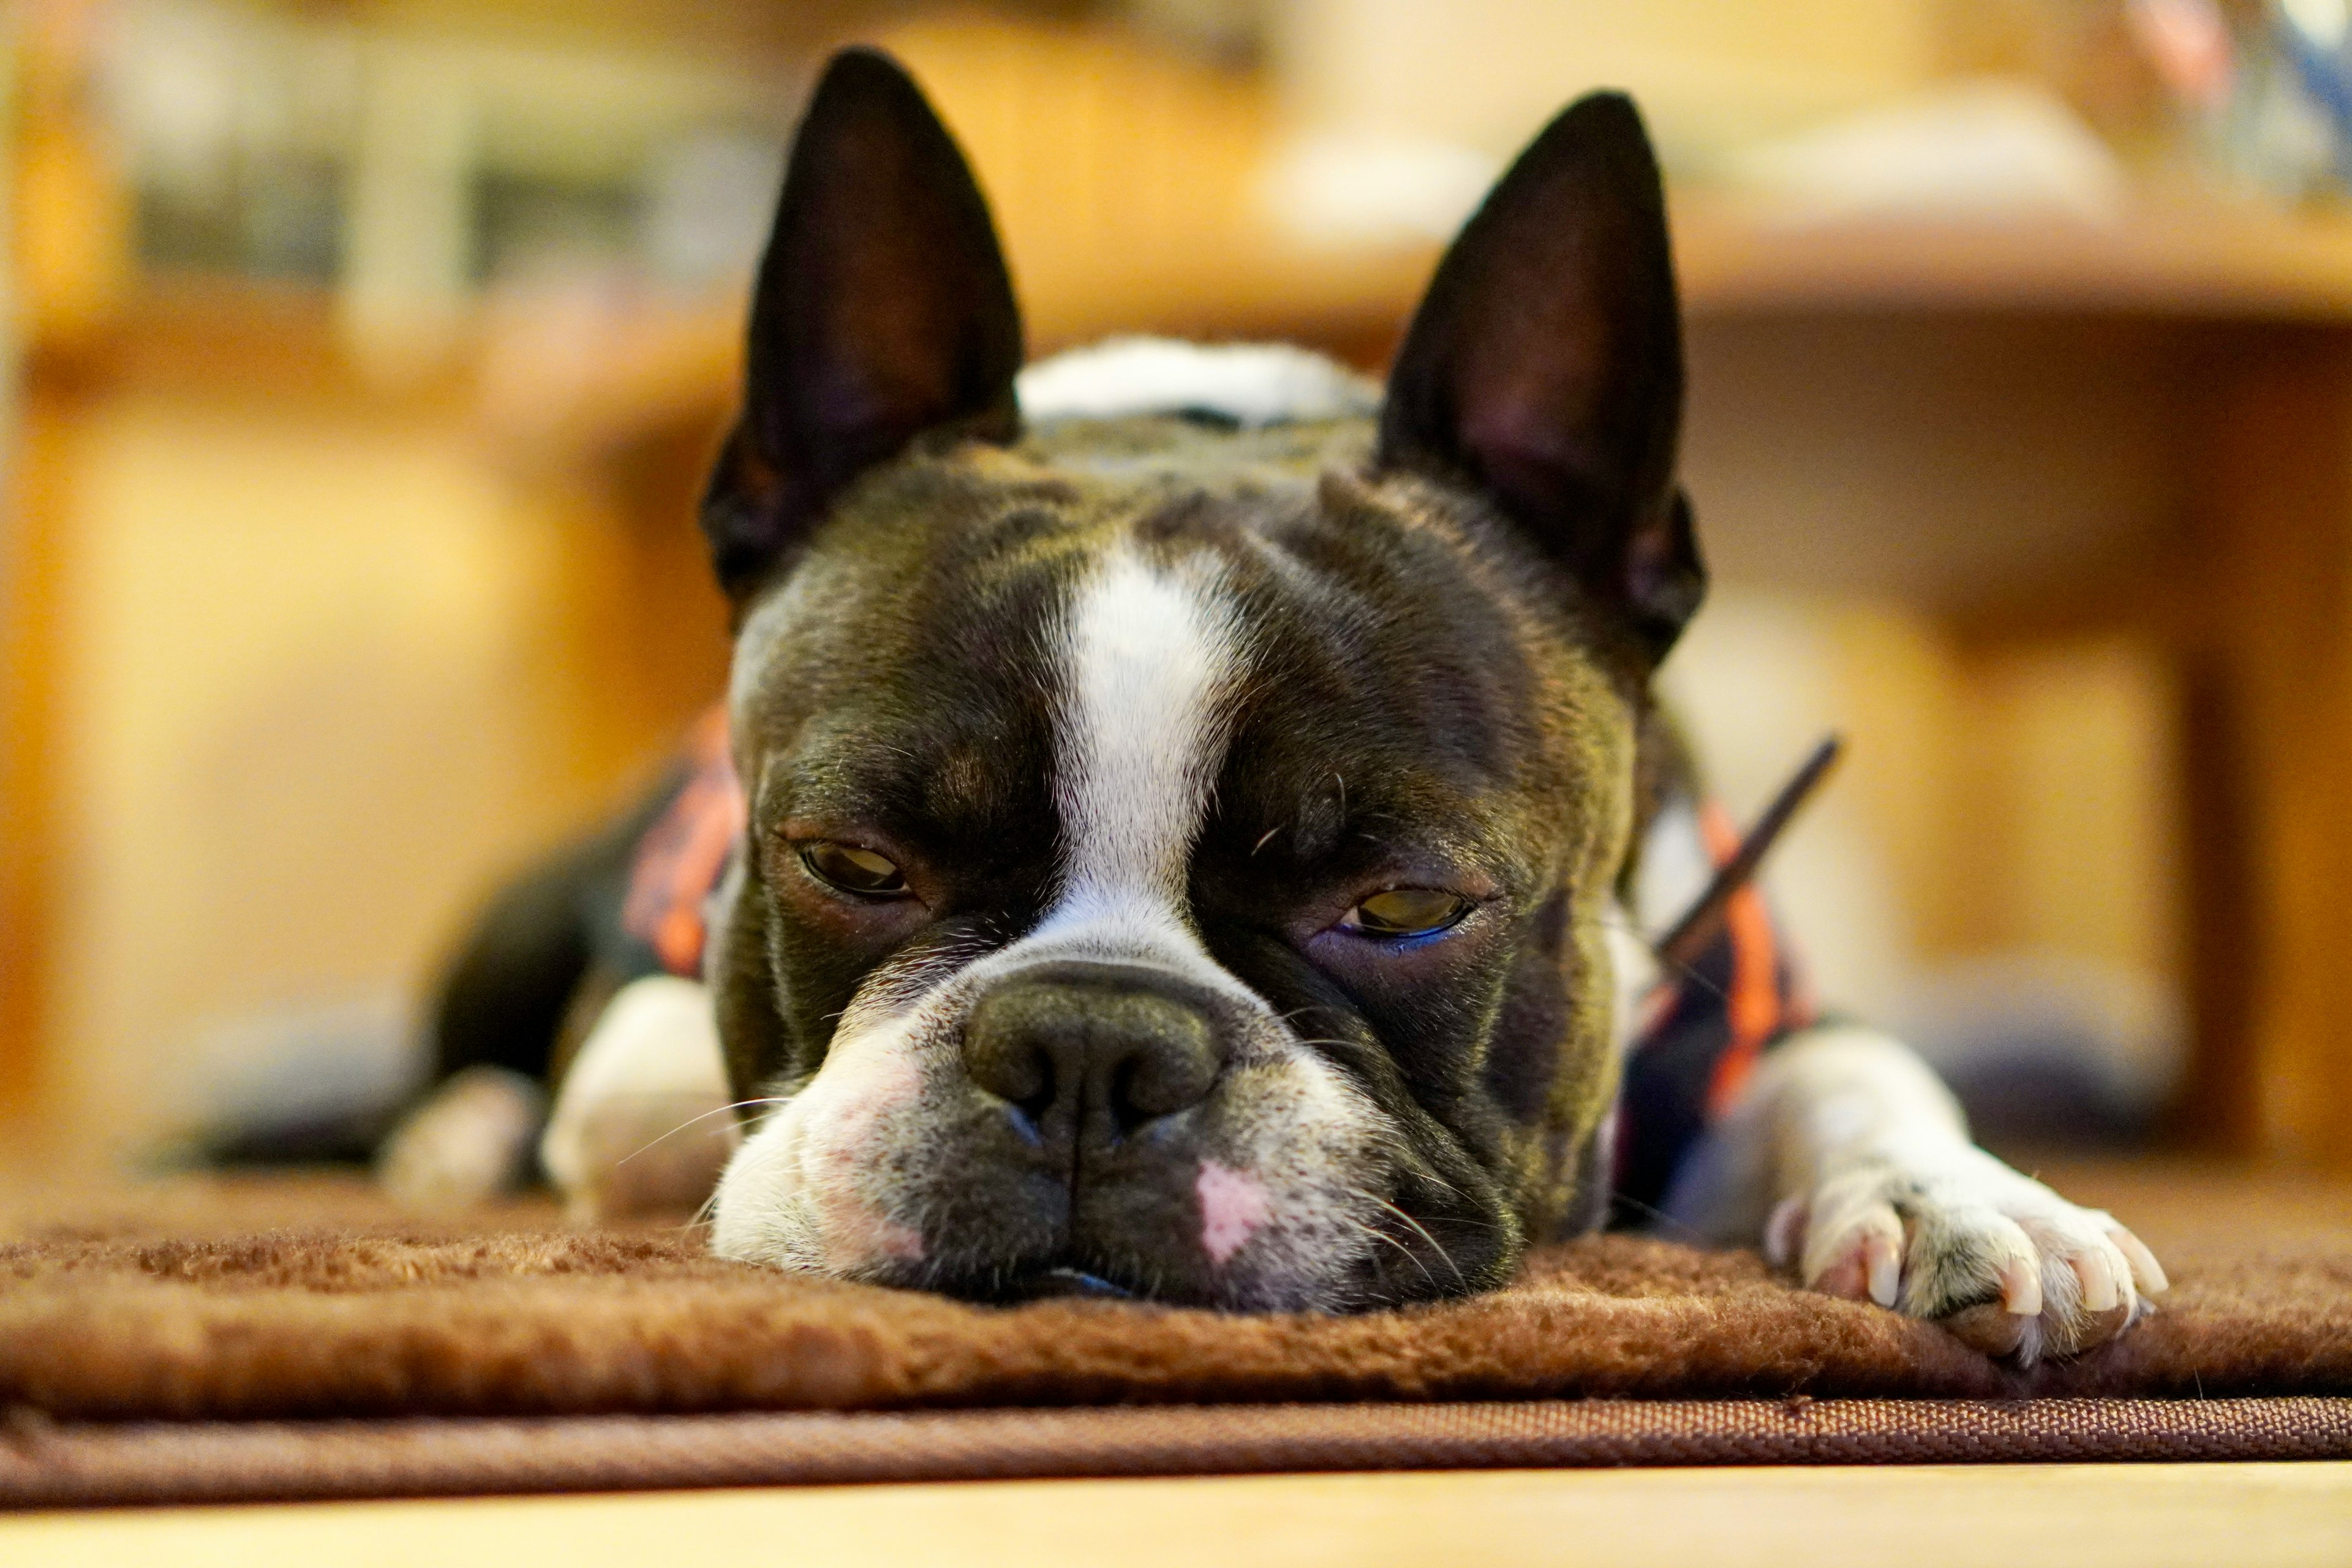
[643, 1124]
[471, 1141]
[1997, 1257]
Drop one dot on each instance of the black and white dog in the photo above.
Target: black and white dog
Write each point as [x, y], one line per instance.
[1195, 805]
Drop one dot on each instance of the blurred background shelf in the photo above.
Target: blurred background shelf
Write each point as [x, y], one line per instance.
[2220, 266]
[572, 373]
[2217, 262]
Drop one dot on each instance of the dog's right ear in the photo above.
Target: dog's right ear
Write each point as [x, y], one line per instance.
[883, 311]
[1545, 368]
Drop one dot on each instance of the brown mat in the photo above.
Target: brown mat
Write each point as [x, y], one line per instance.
[43, 1466]
[180, 1307]
[309, 1324]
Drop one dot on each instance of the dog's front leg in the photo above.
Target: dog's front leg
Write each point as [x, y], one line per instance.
[1849, 1160]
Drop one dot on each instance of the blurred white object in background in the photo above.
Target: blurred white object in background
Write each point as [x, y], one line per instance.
[1367, 188]
[707, 200]
[1484, 74]
[1986, 149]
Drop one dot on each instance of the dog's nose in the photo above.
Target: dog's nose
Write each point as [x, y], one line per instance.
[1092, 1051]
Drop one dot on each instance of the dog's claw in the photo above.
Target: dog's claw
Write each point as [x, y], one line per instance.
[1784, 1232]
[2147, 1272]
[1882, 1256]
[2100, 1291]
[2020, 1290]
[1863, 1261]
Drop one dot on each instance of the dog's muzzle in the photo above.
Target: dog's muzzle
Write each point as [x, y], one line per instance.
[1095, 1065]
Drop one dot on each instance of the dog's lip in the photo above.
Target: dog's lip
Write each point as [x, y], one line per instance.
[1060, 1281]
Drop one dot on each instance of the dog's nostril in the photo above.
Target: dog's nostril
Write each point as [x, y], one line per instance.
[1177, 1069]
[1040, 1099]
[1126, 1113]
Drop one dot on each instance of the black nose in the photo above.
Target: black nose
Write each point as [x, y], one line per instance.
[1091, 1051]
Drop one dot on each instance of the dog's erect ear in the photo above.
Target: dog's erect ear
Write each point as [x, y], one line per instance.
[1545, 367]
[883, 311]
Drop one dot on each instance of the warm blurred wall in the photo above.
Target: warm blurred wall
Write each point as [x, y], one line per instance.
[318, 682]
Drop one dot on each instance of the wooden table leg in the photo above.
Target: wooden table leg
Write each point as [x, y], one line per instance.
[31, 552]
[2269, 683]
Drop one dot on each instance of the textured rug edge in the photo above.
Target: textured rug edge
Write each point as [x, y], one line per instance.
[151, 1463]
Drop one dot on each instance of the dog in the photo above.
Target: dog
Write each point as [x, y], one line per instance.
[1182, 817]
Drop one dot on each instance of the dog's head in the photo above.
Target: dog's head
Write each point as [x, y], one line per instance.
[1182, 844]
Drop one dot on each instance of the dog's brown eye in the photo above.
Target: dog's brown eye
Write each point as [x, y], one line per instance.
[1407, 912]
[854, 870]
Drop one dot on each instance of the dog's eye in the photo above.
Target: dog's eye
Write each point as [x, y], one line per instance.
[854, 870]
[1407, 912]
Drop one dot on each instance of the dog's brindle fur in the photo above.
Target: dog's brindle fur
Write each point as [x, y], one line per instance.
[1335, 661]
[1143, 709]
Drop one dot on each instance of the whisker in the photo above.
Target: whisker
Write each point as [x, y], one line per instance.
[1433, 1179]
[702, 1216]
[1665, 960]
[1419, 1230]
[1377, 1234]
[1651, 1211]
[738, 1105]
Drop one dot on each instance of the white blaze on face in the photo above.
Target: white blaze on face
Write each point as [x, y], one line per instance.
[1150, 661]
[1153, 660]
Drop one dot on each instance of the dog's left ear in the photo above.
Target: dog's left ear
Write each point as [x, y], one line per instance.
[883, 311]
[1545, 367]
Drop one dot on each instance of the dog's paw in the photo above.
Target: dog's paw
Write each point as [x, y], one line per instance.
[1999, 1260]
[469, 1142]
[644, 1124]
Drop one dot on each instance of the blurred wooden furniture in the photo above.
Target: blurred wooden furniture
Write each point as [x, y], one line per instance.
[2147, 431]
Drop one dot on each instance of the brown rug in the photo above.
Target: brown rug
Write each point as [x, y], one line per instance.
[146, 1462]
[304, 1303]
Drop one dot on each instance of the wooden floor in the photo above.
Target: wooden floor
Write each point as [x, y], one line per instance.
[2148, 1516]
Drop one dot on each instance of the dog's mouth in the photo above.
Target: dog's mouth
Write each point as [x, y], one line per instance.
[1061, 1282]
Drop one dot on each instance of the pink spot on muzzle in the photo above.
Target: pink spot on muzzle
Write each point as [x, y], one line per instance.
[1233, 1206]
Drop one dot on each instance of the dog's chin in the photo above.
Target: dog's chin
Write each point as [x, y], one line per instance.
[1077, 1275]
[1399, 1275]
[1042, 1282]
[1074, 1271]
[1063, 1282]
